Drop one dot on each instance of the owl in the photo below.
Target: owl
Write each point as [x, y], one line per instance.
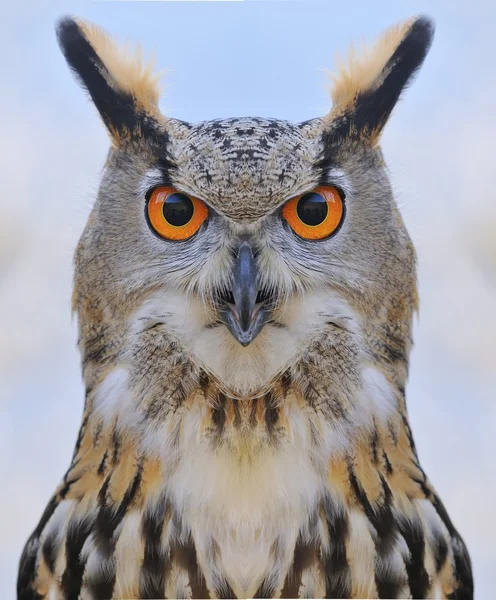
[244, 290]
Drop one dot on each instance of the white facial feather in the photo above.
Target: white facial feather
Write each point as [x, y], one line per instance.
[244, 371]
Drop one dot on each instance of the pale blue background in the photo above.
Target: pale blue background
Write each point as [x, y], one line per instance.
[252, 58]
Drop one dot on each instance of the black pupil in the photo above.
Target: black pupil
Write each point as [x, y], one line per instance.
[312, 208]
[178, 209]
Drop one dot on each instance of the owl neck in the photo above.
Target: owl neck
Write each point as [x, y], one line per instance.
[346, 383]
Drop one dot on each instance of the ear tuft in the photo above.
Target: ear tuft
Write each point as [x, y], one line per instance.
[131, 73]
[360, 69]
[368, 84]
[121, 84]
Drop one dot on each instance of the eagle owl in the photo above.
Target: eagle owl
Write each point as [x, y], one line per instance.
[244, 290]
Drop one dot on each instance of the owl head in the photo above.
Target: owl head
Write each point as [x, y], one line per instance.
[239, 242]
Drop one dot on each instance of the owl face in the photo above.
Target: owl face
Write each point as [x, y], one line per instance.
[241, 239]
[245, 294]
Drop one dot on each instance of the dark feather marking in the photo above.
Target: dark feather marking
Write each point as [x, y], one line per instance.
[422, 483]
[27, 570]
[461, 593]
[392, 354]
[382, 519]
[265, 590]
[285, 383]
[68, 483]
[28, 594]
[387, 587]
[72, 578]
[305, 554]
[334, 560]
[374, 443]
[387, 462]
[50, 549]
[393, 433]
[103, 588]
[46, 516]
[271, 413]
[253, 413]
[204, 381]
[185, 555]
[97, 433]
[27, 563]
[463, 566]
[81, 432]
[219, 413]
[439, 550]
[411, 441]
[337, 326]
[237, 414]
[101, 466]
[101, 585]
[327, 157]
[108, 517]
[441, 511]
[156, 562]
[225, 592]
[116, 445]
[463, 571]
[418, 579]
[153, 326]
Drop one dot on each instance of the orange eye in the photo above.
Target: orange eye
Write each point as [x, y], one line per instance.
[316, 214]
[173, 215]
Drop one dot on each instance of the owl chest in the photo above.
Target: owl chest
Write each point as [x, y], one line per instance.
[245, 488]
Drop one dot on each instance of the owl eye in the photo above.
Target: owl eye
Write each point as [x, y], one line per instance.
[173, 215]
[315, 215]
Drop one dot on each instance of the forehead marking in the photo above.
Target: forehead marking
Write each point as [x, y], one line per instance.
[246, 167]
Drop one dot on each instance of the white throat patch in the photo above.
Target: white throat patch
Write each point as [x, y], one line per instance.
[245, 371]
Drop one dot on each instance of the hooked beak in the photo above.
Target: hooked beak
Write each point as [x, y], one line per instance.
[245, 318]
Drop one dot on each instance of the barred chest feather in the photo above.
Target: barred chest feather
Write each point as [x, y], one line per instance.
[231, 498]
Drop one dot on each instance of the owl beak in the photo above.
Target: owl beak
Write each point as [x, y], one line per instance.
[245, 318]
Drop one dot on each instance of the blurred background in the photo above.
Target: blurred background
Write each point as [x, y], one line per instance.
[252, 58]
